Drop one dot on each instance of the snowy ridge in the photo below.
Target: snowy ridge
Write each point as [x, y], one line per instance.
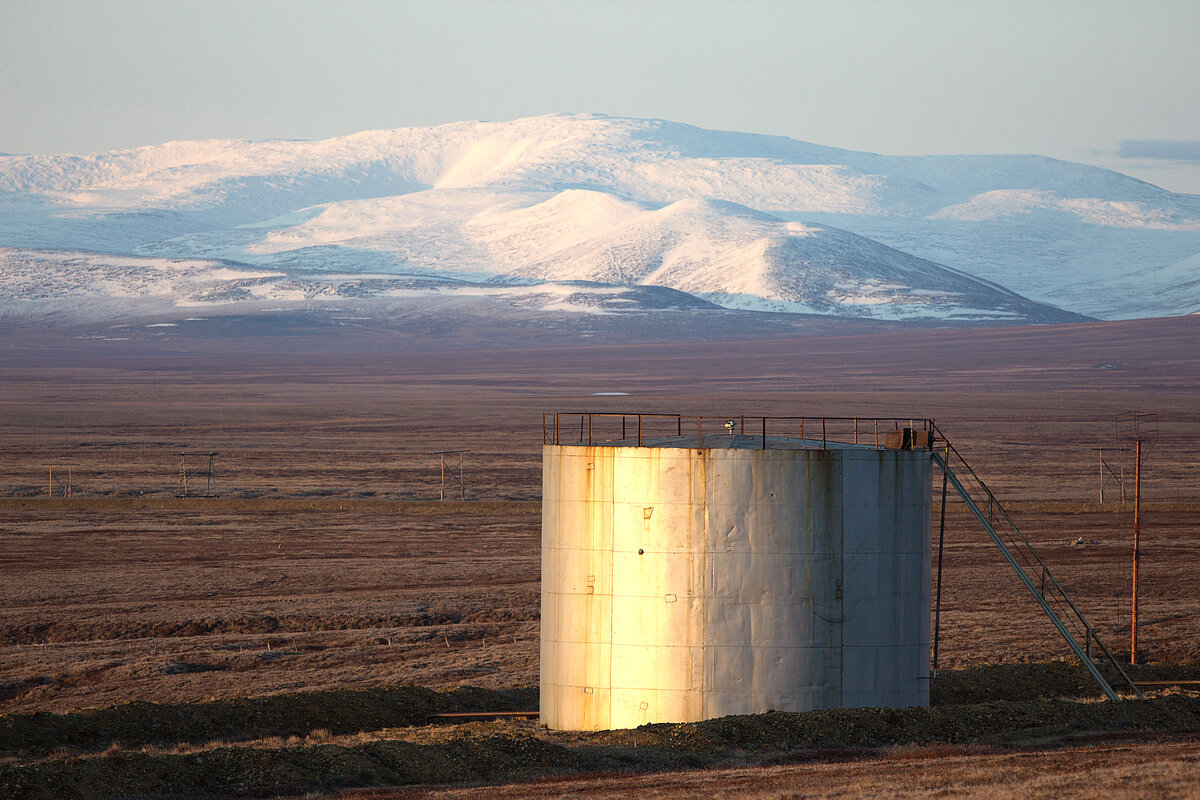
[740, 258]
[78, 286]
[741, 220]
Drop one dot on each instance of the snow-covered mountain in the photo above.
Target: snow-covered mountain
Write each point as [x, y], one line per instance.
[736, 220]
[71, 285]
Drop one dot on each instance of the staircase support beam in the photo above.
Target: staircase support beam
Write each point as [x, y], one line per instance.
[1079, 651]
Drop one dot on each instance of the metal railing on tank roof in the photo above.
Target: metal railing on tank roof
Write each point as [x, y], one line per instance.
[636, 429]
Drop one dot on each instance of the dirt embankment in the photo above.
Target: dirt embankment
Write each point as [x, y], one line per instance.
[243, 719]
[330, 740]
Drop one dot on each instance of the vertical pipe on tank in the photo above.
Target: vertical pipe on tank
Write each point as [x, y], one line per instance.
[937, 614]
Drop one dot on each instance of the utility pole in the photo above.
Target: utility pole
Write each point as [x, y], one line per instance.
[1137, 551]
[1140, 428]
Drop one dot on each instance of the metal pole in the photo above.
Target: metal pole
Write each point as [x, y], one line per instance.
[937, 609]
[1101, 474]
[462, 486]
[51, 480]
[442, 495]
[764, 433]
[1122, 463]
[1137, 530]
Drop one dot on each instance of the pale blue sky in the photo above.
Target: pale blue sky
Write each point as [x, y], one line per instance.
[1088, 81]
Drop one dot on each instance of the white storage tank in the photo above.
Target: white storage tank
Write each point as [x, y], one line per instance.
[682, 583]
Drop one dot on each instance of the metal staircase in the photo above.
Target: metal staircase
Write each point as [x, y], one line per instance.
[1033, 572]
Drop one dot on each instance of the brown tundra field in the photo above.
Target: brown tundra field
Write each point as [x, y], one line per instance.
[290, 634]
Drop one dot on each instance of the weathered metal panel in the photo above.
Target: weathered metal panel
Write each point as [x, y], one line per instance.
[681, 584]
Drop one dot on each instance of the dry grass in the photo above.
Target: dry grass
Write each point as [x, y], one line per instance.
[112, 605]
[1122, 770]
[315, 570]
[291, 419]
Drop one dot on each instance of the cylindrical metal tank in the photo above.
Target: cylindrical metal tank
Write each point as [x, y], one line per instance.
[681, 584]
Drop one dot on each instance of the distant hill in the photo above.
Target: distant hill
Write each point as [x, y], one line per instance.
[599, 205]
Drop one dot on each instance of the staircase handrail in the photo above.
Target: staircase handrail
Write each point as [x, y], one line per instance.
[1028, 553]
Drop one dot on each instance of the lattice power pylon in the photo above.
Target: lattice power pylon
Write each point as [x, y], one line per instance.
[61, 484]
[1112, 468]
[187, 475]
[462, 486]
